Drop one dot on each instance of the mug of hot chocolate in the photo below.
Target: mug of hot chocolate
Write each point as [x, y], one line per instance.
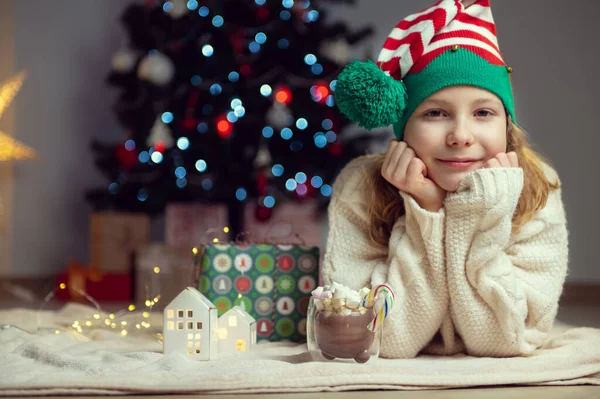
[343, 324]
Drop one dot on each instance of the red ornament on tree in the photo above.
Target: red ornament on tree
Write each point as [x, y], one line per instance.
[237, 39]
[189, 123]
[336, 149]
[310, 191]
[224, 127]
[283, 94]
[262, 13]
[301, 190]
[127, 159]
[160, 146]
[320, 92]
[245, 69]
[262, 182]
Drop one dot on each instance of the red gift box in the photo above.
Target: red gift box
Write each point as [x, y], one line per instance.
[76, 280]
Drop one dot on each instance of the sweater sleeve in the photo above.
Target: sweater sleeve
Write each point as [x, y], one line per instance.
[412, 264]
[504, 288]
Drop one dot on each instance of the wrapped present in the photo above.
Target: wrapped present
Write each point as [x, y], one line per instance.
[78, 281]
[187, 224]
[162, 272]
[271, 282]
[114, 239]
[300, 218]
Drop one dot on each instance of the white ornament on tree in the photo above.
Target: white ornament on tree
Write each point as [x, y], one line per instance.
[178, 9]
[337, 50]
[160, 133]
[279, 116]
[123, 61]
[156, 68]
[263, 157]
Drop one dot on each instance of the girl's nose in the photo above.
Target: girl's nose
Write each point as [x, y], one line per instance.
[460, 135]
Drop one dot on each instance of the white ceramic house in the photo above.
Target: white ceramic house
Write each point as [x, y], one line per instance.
[236, 331]
[189, 328]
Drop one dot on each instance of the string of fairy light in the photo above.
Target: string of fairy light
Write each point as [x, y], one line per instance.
[111, 320]
[320, 91]
[114, 321]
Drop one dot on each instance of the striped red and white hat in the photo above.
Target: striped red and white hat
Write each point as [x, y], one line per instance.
[450, 43]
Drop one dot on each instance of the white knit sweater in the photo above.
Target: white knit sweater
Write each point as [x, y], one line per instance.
[463, 282]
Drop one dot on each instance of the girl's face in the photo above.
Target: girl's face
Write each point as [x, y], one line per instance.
[458, 122]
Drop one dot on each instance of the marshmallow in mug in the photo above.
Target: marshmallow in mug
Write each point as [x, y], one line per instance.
[339, 299]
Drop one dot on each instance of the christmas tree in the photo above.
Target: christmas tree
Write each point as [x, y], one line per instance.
[228, 101]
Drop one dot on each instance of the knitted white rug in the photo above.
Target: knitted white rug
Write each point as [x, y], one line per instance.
[104, 362]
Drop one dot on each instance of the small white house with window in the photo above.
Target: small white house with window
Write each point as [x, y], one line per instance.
[190, 323]
[236, 331]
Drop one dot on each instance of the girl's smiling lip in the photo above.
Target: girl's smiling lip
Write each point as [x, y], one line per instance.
[458, 164]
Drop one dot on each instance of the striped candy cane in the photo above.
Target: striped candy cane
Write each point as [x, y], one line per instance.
[368, 301]
[381, 291]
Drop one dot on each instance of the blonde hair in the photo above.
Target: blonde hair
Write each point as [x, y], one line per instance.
[386, 206]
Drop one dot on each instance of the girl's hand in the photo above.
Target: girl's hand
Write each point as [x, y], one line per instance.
[503, 160]
[407, 173]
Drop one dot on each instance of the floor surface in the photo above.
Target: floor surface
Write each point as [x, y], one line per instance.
[588, 316]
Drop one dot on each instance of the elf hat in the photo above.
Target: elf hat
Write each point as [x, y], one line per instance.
[444, 45]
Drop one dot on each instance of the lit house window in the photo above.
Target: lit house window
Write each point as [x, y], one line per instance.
[171, 314]
[240, 345]
[170, 325]
[232, 321]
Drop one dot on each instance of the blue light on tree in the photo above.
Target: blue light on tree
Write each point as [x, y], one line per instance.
[240, 194]
[301, 177]
[167, 117]
[277, 170]
[201, 165]
[267, 132]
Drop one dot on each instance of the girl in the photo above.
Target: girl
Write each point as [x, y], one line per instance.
[459, 216]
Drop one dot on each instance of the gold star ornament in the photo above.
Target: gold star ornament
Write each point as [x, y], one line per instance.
[11, 149]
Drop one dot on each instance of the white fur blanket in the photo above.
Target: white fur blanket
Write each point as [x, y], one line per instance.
[103, 362]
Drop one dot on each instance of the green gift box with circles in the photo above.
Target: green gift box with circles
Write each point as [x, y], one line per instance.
[273, 283]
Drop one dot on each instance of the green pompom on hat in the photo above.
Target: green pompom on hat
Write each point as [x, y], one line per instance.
[444, 45]
[368, 96]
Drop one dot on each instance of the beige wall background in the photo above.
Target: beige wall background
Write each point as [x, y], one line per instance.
[67, 44]
[7, 55]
